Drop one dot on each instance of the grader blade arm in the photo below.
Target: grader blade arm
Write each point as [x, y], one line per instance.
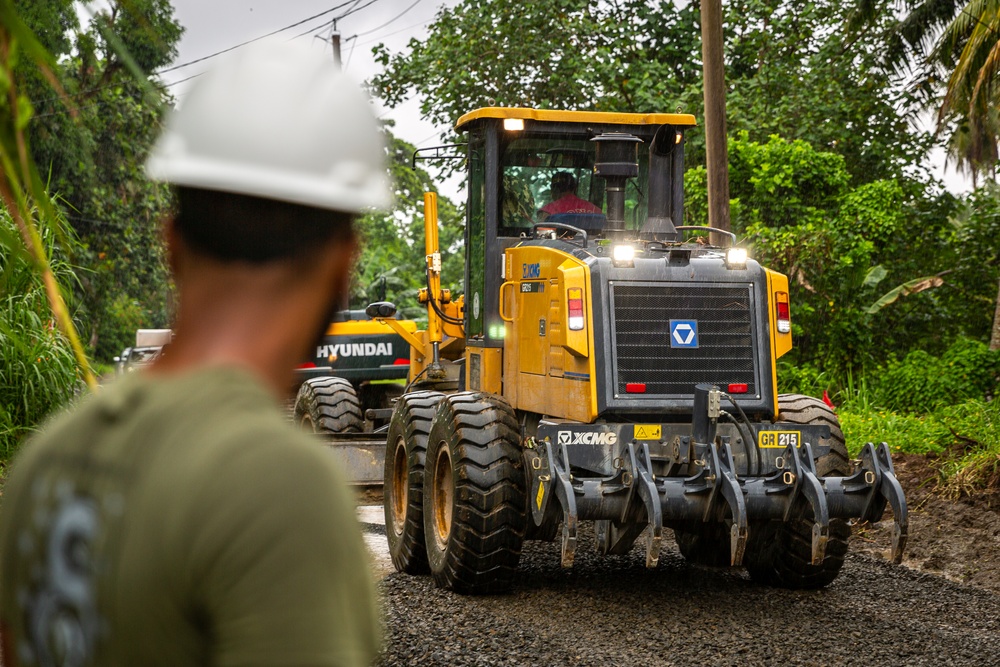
[733, 494]
[563, 489]
[892, 491]
[642, 467]
[809, 488]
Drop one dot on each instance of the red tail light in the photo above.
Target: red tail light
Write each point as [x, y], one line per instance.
[739, 388]
[635, 387]
[784, 318]
[574, 304]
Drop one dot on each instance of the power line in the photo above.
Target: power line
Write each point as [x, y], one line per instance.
[409, 27]
[315, 29]
[392, 20]
[354, 10]
[255, 39]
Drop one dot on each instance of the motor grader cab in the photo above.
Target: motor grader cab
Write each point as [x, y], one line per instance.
[603, 368]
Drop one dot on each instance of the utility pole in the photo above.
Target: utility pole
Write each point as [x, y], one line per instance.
[335, 40]
[716, 149]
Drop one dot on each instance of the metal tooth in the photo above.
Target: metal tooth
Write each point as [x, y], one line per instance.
[568, 541]
[820, 537]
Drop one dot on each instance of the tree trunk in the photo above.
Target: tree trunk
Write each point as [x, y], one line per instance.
[716, 150]
[995, 336]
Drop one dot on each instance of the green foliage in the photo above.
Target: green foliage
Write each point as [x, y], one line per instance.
[571, 54]
[838, 244]
[974, 462]
[93, 153]
[964, 437]
[38, 371]
[777, 184]
[922, 382]
[801, 379]
[393, 251]
[971, 292]
[910, 434]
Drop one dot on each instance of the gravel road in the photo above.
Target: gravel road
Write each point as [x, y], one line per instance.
[613, 611]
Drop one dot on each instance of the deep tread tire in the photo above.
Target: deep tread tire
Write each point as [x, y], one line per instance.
[780, 554]
[474, 495]
[406, 448]
[328, 405]
[707, 544]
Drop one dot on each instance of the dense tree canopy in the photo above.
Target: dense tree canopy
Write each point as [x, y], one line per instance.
[790, 70]
[92, 146]
[392, 263]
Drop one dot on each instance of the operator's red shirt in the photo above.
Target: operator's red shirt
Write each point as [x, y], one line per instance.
[570, 203]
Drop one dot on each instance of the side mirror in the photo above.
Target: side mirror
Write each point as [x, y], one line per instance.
[381, 309]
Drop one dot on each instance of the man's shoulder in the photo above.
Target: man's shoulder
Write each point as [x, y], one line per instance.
[199, 422]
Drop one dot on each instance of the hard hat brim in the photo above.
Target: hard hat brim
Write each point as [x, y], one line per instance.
[340, 191]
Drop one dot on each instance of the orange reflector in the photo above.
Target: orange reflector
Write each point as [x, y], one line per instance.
[739, 388]
[635, 387]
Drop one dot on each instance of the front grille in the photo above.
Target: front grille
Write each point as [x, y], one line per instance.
[643, 354]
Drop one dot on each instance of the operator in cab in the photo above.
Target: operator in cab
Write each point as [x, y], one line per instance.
[564, 197]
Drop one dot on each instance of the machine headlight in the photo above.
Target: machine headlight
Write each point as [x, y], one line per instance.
[736, 258]
[622, 255]
[513, 124]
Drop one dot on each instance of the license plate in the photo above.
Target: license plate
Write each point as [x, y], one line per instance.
[779, 439]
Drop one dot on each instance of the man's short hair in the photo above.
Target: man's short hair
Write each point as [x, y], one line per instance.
[233, 227]
[563, 181]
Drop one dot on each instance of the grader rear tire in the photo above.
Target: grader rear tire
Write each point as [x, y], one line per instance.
[780, 554]
[474, 495]
[328, 405]
[405, 451]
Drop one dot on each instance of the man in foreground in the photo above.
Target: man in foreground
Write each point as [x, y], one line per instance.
[176, 518]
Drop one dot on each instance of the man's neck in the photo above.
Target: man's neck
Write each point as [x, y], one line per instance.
[250, 321]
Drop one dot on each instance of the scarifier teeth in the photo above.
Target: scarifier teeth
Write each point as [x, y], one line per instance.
[737, 544]
[820, 536]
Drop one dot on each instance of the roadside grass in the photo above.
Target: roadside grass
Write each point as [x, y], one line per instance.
[964, 438]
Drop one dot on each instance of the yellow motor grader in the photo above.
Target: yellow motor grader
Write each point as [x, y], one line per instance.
[603, 366]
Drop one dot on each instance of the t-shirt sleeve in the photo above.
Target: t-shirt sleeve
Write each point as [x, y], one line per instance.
[278, 566]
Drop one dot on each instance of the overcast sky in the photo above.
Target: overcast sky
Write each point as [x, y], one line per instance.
[215, 25]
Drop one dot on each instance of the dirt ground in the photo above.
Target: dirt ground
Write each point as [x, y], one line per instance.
[958, 539]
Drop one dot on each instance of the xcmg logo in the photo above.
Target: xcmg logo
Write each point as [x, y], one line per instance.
[531, 270]
[587, 438]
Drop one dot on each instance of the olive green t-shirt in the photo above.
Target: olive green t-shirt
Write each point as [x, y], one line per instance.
[182, 521]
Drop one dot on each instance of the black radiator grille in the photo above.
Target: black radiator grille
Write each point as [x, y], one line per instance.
[643, 354]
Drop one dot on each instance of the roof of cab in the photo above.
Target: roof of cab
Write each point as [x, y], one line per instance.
[577, 117]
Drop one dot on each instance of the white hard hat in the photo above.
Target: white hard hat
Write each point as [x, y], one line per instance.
[280, 121]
